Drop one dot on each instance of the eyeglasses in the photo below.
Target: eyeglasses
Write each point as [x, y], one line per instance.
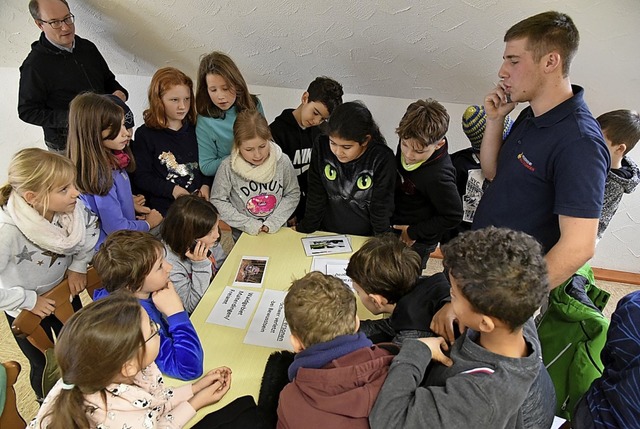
[155, 327]
[56, 24]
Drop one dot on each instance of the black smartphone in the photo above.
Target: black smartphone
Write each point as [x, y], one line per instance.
[193, 248]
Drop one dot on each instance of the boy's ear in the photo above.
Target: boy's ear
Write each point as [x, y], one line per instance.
[440, 143]
[378, 301]
[620, 149]
[486, 324]
[357, 324]
[366, 141]
[30, 197]
[296, 343]
[305, 97]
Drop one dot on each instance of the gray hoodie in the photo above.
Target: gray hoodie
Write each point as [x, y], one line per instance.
[480, 390]
[619, 182]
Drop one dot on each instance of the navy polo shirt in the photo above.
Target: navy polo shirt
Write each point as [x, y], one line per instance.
[554, 164]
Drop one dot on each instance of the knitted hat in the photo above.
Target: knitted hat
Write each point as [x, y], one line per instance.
[474, 121]
[128, 114]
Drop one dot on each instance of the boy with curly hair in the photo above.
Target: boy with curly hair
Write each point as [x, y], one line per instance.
[493, 375]
[337, 372]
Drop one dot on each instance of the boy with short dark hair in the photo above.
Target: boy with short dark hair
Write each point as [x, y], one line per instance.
[295, 130]
[426, 198]
[337, 372]
[493, 375]
[621, 130]
[386, 275]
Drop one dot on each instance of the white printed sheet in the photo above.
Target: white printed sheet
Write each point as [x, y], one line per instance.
[234, 307]
[269, 327]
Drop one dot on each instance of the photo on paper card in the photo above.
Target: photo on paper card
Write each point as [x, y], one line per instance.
[251, 271]
[326, 245]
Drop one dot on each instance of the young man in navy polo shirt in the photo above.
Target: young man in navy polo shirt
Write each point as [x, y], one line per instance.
[548, 176]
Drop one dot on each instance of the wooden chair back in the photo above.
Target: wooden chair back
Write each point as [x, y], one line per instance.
[10, 417]
[27, 324]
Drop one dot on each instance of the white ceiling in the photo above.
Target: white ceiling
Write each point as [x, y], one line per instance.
[446, 49]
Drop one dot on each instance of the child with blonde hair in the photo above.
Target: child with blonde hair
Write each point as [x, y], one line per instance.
[45, 235]
[337, 372]
[221, 94]
[191, 236]
[98, 146]
[106, 356]
[255, 189]
[166, 147]
[135, 261]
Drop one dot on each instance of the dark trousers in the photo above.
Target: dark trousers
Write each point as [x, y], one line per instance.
[424, 250]
[581, 418]
[36, 358]
[241, 413]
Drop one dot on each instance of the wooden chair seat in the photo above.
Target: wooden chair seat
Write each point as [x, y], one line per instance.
[10, 417]
[27, 324]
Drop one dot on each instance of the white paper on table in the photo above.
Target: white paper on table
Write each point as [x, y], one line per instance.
[334, 267]
[269, 328]
[234, 307]
[319, 263]
[326, 244]
[340, 271]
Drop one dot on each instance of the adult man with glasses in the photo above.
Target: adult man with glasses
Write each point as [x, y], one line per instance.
[60, 66]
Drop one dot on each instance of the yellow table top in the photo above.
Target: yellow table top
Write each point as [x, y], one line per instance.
[223, 346]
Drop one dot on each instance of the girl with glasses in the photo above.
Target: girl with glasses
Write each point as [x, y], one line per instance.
[106, 355]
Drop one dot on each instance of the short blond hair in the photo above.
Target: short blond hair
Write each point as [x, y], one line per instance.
[319, 308]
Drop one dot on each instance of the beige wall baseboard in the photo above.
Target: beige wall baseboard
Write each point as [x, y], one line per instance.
[600, 273]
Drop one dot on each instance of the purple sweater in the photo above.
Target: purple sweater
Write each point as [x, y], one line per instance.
[115, 210]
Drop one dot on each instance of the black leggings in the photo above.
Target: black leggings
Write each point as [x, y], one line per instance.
[37, 361]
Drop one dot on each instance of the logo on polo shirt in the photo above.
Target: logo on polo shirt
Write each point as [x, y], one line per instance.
[524, 161]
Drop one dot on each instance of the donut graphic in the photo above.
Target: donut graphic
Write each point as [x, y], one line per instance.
[261, 205]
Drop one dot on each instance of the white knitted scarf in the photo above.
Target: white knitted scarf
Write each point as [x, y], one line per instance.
[263, 173]
[63, 235]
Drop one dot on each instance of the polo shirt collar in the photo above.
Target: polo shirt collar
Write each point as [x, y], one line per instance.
[561, 111]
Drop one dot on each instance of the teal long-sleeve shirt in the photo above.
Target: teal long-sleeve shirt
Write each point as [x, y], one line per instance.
[215, 139]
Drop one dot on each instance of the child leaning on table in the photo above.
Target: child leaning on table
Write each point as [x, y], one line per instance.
[106, 354]
[337, 372]
[135, 261]
[296, 130]
[621, 130]
[492, 376]
[351, 176]
[386, 274]
[191, 237]
[255, 189]
[427, 204]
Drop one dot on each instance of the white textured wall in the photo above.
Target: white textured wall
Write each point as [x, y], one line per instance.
[386, 52]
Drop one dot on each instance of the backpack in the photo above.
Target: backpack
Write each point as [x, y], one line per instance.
[572, 334]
